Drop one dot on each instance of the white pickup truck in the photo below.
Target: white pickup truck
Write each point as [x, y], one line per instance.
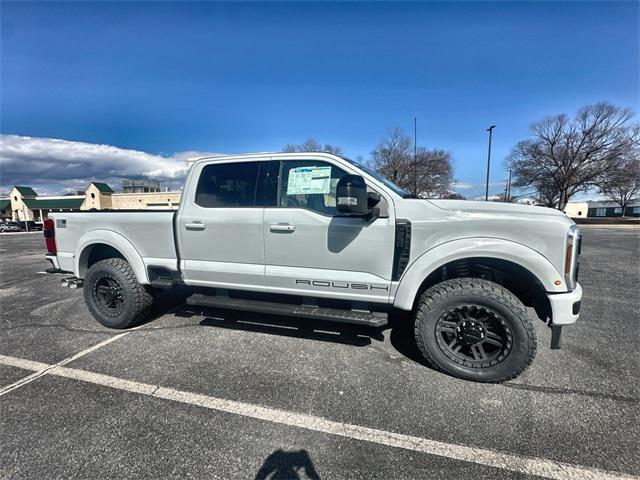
[319, 236]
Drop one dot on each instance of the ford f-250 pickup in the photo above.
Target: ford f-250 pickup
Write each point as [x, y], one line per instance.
[316, 235]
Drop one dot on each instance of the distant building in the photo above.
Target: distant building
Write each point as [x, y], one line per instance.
[140, 186]
[527, 201]
[608, 208]
[98, 196]
[25, 204]
[149, 200]
[5, 208]
[576, 209]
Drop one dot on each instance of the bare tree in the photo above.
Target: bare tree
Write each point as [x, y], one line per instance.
[429, 174]
[311, 145]
[433, 172]
[290, 147]
[566, 156]
[622, 184]
[453, 196]
[392, 156]
[547, 195]
[504, 198]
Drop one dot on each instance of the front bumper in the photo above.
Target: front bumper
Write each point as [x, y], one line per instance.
[565, 307]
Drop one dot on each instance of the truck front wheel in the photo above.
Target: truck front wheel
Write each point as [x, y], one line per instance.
[114, 296]
[474, 329]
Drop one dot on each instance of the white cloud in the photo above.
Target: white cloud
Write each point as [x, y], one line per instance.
[491, 197]
[67, 165]
[469, 186]
[463, 185]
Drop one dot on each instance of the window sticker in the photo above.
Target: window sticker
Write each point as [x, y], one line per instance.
[309, 180]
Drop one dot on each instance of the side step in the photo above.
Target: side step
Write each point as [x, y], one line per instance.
[372, 319]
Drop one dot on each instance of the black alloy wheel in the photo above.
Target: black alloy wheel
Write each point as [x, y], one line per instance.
[108, 295]
[474, 336]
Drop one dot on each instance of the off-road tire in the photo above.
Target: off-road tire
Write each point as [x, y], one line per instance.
[448, 296]
[136, 299]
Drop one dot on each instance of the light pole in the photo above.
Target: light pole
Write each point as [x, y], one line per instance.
[486, 193]
[24, 212]
[508, 195]
[415, 156]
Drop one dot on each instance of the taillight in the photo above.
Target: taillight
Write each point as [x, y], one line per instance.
[50, 236]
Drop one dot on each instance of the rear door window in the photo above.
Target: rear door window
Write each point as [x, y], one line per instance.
[227, 185]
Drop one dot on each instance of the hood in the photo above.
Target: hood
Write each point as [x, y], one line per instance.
[468, 206]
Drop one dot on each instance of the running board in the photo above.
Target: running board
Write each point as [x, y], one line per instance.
[372, 319]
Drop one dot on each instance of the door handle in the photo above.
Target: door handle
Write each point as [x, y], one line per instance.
[195, 225]
[282, 227]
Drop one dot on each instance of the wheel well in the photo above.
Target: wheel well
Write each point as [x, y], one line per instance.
[96, 252]
[515, 278]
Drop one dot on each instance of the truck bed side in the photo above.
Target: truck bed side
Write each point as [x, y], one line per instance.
[147, 235]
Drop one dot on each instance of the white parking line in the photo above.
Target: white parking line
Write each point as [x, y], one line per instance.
[482, 456]
[43, 368]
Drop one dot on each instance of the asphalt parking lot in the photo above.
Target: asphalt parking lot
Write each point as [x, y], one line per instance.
[234, 395]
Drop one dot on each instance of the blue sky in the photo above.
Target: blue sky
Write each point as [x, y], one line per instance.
[164, 78]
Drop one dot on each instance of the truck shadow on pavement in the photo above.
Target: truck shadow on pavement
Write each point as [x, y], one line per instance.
[290, 327]
[399, 328]
[281, 464]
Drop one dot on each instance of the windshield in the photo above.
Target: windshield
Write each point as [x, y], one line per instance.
[387, 183]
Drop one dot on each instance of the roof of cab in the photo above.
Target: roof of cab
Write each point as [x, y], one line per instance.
[265, 156]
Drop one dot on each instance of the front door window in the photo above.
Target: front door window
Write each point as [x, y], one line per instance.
[310, 185]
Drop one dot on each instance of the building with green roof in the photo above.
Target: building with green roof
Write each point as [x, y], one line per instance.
[102, 187]
[26, 191]
[5, 208]
[26, 205]
[24, 202]
[71, 203]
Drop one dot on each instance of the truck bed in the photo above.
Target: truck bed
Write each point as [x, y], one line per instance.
[150, 232]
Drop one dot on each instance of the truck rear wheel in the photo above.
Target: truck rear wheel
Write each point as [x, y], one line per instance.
[474, 329]
[114, 296]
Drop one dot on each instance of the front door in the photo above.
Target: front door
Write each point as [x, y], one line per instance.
[220, 228]
[311, 250]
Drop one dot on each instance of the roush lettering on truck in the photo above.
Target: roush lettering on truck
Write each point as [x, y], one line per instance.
[317, 236]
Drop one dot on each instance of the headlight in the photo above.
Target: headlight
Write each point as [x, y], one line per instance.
[572, 250]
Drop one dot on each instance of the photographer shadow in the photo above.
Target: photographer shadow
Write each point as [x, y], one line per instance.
[288, 465]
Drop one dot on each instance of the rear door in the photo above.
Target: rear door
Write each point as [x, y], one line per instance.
[220, 227]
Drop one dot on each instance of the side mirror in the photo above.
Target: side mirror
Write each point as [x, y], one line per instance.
[351, 196]
[373, 199]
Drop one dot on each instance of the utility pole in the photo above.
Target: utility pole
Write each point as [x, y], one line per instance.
[507, 188]
[415, 157]
[486, 193]
[24, 213]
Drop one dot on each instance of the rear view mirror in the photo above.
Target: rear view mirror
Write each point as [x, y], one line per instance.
[351, 195]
